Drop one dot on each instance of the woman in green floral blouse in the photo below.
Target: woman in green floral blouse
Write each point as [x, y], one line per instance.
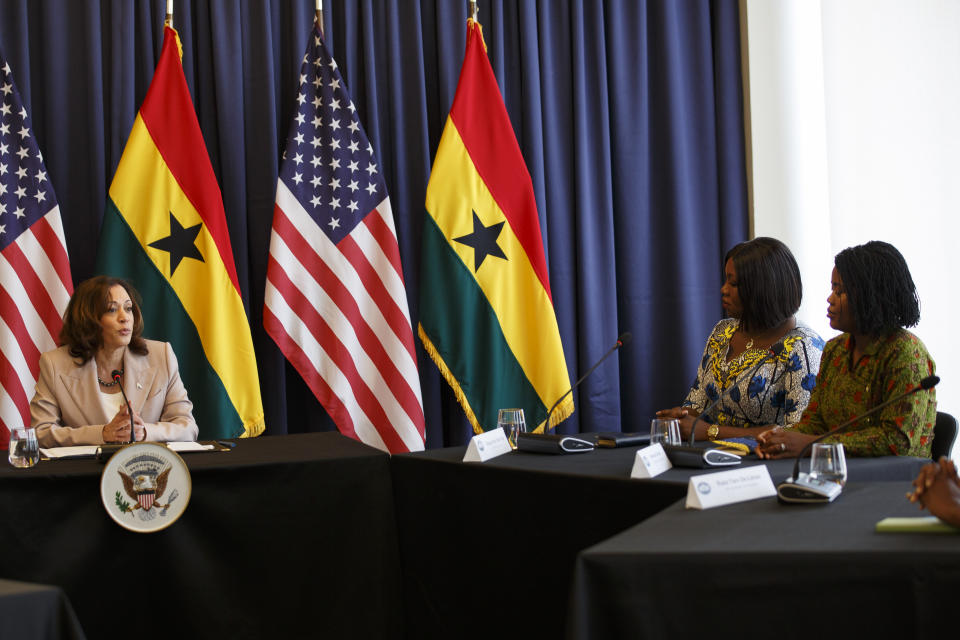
[872, 299]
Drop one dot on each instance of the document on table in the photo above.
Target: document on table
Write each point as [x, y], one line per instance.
[918, 524]
[188, 447]
[85, 451]
[89, 451]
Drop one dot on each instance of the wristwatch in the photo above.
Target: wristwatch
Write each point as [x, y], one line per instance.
[713, 431]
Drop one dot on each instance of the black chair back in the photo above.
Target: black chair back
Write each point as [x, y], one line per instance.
[944, 433]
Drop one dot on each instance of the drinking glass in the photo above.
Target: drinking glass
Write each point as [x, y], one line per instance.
[23, 450]
[664, 431]
[512, 423]
[827, 463]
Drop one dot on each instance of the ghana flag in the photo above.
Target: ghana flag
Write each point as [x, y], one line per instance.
[486, 311]
[164, 230]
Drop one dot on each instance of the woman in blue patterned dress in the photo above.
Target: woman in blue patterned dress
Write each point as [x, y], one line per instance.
[759, 361]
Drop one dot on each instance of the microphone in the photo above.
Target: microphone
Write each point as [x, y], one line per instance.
[115, 374]
[800, 488]
[689, 455]
[556, 443]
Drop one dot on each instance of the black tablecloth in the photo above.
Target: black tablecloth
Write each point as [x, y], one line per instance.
[763, 569]
[286, 536]
[36, 612]
[491, 546]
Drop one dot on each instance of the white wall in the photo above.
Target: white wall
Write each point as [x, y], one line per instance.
[855, 118]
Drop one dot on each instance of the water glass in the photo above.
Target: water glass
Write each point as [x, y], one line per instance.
[23, 450]
[828, 464]
[512, 423]
[665, 431]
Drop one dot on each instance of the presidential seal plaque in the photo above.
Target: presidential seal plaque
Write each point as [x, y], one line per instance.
[145, 487]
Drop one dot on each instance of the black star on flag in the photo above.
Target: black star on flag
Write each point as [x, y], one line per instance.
[483, 240]
[180, 243]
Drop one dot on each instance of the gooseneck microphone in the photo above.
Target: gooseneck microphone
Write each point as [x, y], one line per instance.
[800, 488]
[624, 339]
[116, 374]
[556, 443]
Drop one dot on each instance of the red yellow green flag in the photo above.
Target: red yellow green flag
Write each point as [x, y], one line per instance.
[165, 230]
[486, 311]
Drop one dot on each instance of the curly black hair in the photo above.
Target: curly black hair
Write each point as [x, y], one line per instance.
[879, 287]
[768, 280]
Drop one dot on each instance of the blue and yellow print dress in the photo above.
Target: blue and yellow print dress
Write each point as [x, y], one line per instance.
[776, 393]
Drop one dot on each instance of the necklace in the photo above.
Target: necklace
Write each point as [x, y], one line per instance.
[749, 345]
[109, 384]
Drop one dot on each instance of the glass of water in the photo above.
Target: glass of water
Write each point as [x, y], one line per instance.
[665, 431]
[23, 450]
[512, 423]
[827, 463]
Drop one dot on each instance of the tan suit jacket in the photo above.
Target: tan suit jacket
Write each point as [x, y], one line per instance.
[66, 408]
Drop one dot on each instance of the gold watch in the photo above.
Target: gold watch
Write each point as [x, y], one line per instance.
[713, 431]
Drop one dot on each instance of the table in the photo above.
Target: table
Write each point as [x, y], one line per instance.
[285, 536]
[761, 568]
[475, 536]
[36, 612]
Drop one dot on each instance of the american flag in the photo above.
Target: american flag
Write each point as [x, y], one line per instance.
[335, 302]
[35, 282]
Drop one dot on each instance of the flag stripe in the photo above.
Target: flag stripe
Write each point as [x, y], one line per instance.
[335, 302]
[371, 408]
[46, 243]
[24, 359]
[35, 280]
[331, 386]
[481, 118]
[227, 344]
[314, 248]
[166, 319]
[180, 143]
[26, 333]
[374, 287]
[304, 351]
[17, 341]
[486, 312]
[382, 232]
[528, 339]
[39, 297]
[460, 315]
[333, 324]
[15, 404]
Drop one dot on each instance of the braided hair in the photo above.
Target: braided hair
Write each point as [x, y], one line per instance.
[879, 286]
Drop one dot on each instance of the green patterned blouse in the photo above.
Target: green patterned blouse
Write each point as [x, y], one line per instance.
[890, 366]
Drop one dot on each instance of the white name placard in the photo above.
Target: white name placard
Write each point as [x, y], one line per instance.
[728, 487]
[650, 462]
[485, 446]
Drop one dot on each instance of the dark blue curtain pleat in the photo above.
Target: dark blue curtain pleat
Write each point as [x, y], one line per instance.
[628, 112]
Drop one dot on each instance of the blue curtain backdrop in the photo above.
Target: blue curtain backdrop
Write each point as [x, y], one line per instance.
[628, 112]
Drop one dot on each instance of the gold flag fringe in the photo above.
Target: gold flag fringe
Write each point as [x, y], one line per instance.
[449, 377]
[561, 413]
[255, 429]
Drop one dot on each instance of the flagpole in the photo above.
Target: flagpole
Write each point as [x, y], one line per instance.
[473, 9]
[319, 10]
[169, 20]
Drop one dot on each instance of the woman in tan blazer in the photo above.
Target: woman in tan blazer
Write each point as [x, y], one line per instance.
[78, 401]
